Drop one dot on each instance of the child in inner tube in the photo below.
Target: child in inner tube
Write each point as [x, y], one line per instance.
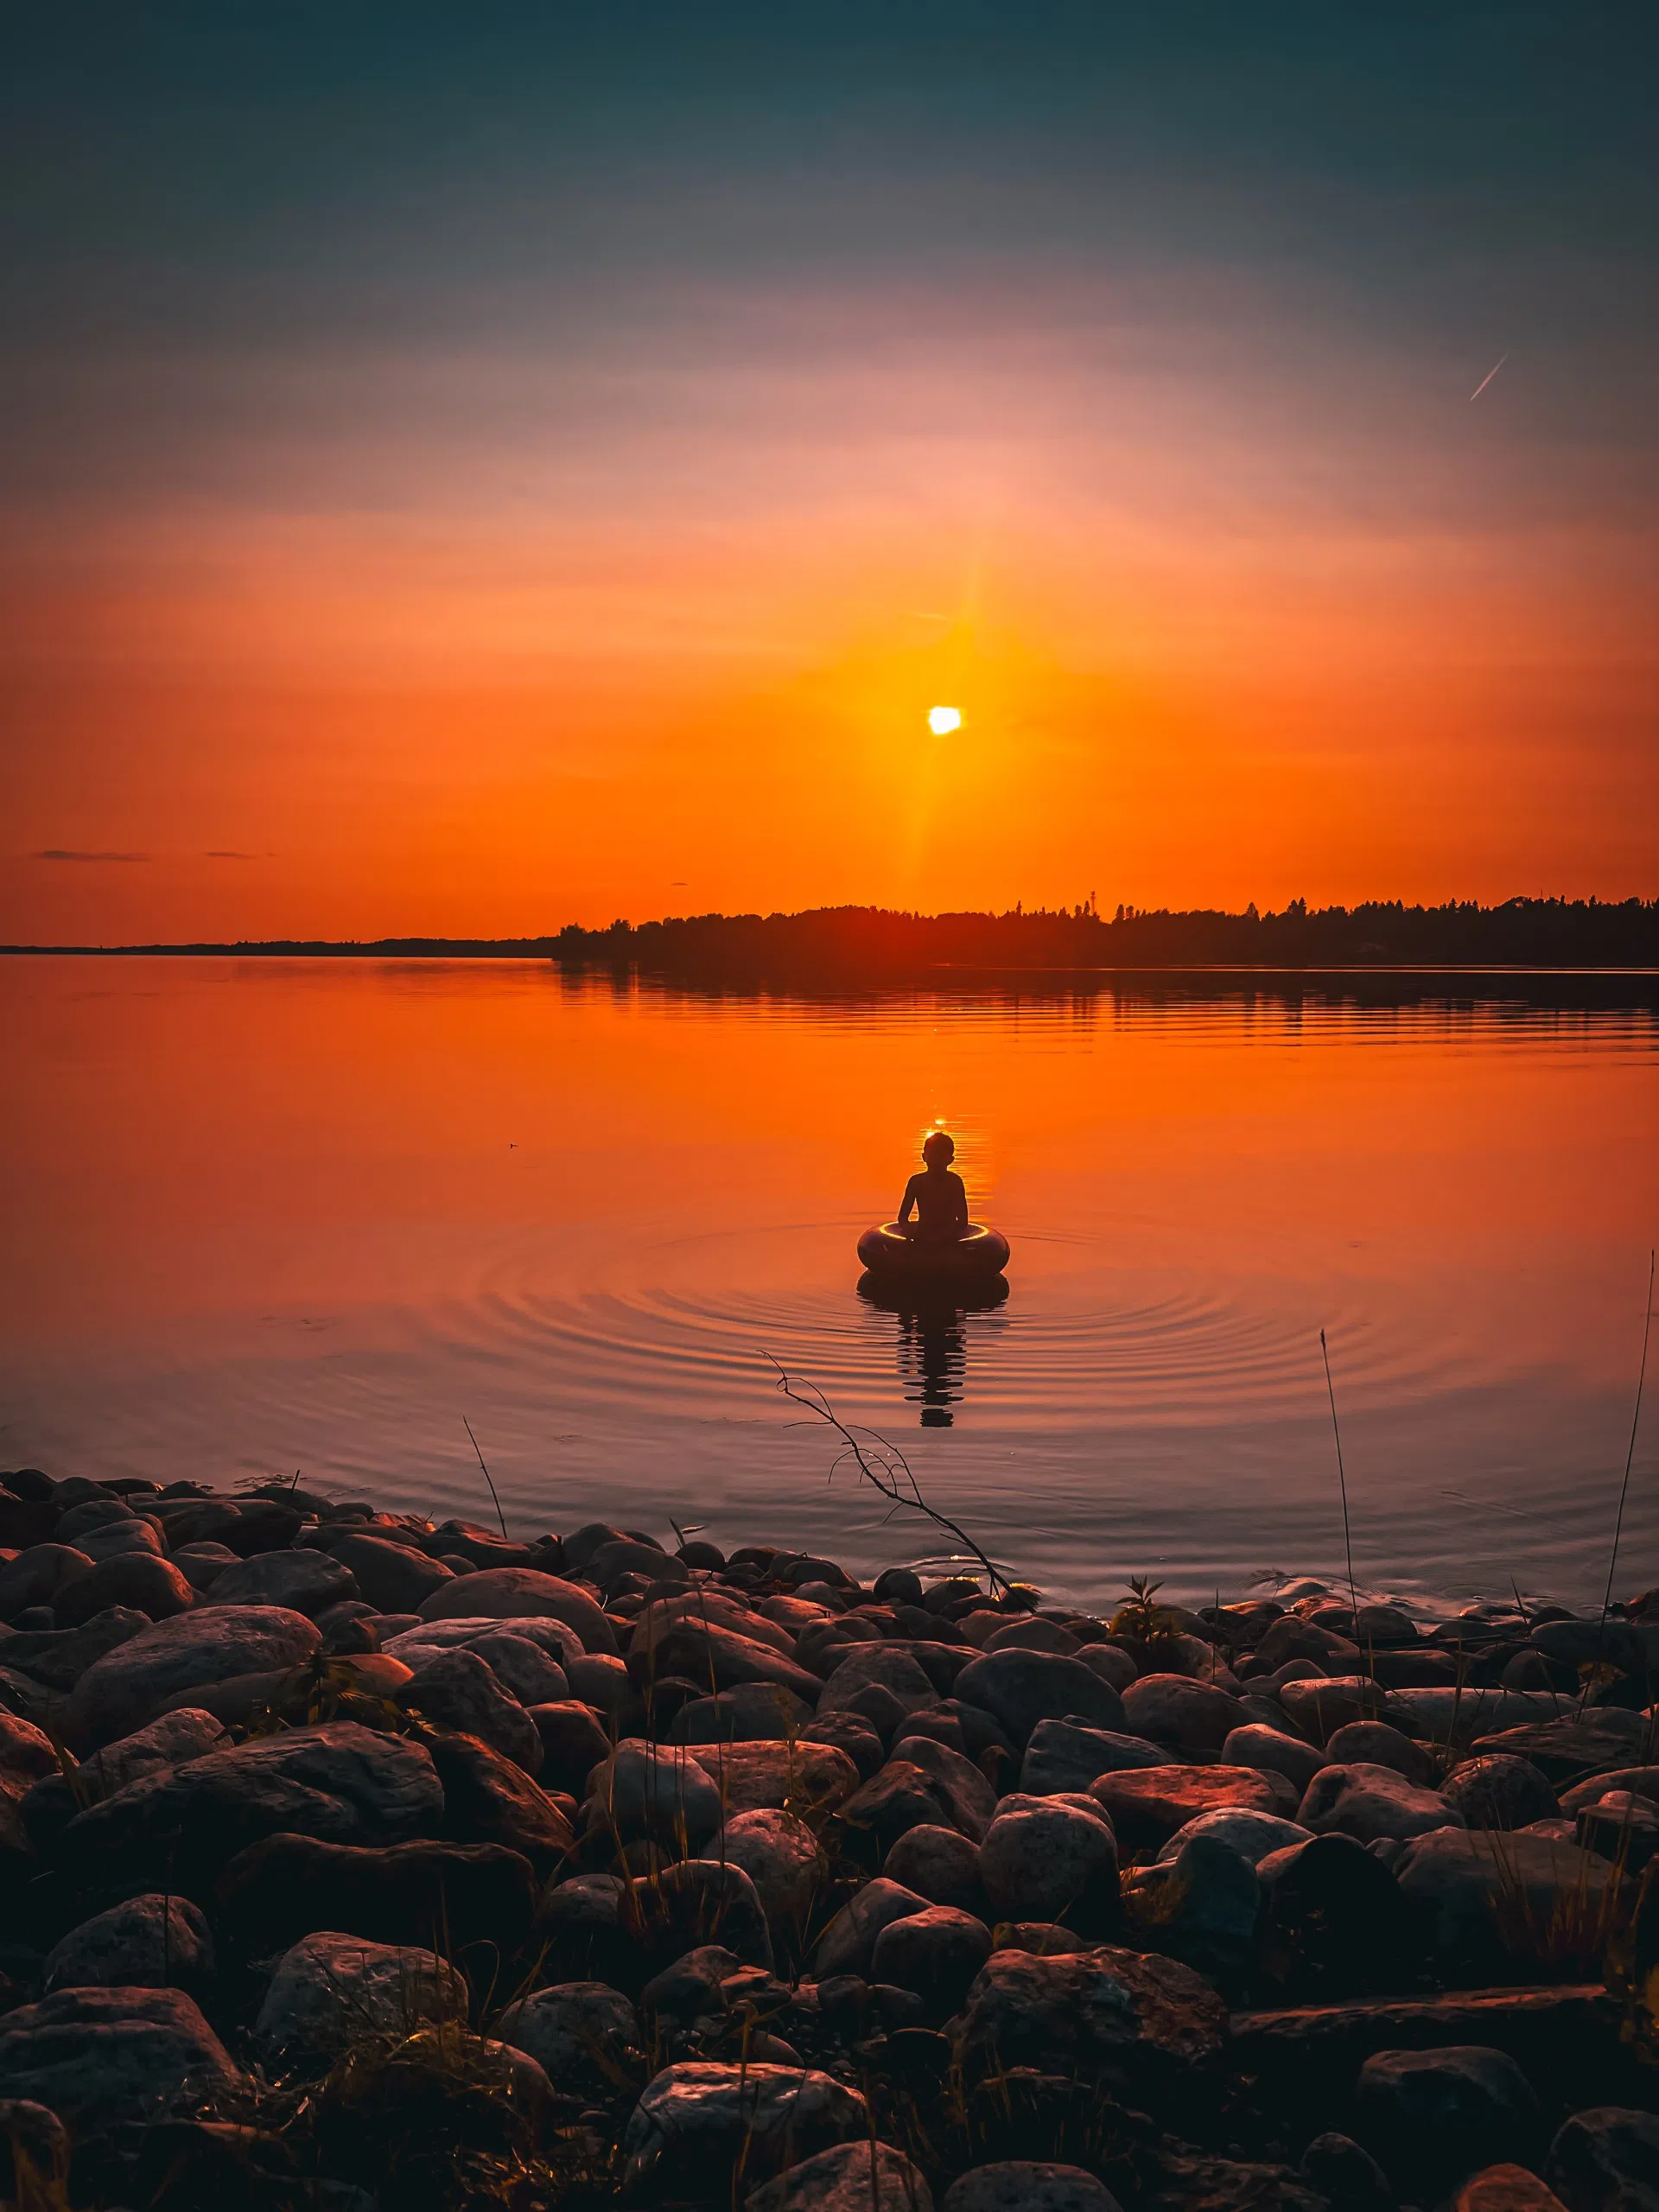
[937, 1197]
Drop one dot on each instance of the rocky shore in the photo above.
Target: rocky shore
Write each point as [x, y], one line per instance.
[354, 1862]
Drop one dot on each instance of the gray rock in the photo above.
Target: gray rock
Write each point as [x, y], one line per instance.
[847, 1944]
[413, 1645]
[938, 1863]
[57, 1658]
[1252, 1836]
[1457, 1878]
[1206, 1898]
[1606, 2159]
[1052, 1863]
[102, 1511]
[330, 1990]
[1374, 1743]
[1031, 1633]
[1028, 2185]
[1619, 1826]
[1272, 1750]
[1463, 1715]
[306, 1582]
[705, 1901]
[780, 1855]
[1134, 2023]
[849, 2177]
[1181, 1714]
[1368, 1802]
[889, 1666]
[459, 1690]
[520, 1593]
[1080, 1800]
[100, 2056]
[937, 1954]
[154, 1941]
[1111, 1663]
[748, 1713]
[1432, 2117]
[1499, 1792]
[702, 1651]
[338, 1782]
[585, 2036]
[1021, 1688]
[36, 1575]
[117, 1539]
[602, 1683]
[1063, 1755]
[654, 1791]
[394, 1578]
[702, 2119]
[1346, 2176]
[1318, 1709]
[961, 1790]
[201, 1565]
[158, 1667]
[1148, 1807]
[137, 1579]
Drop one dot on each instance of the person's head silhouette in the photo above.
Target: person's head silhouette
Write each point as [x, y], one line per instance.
[939, 1149]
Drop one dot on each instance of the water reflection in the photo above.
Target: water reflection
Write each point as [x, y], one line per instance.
[933, 1337]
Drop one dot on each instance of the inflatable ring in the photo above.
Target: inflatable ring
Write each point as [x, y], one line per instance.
[889, 1253]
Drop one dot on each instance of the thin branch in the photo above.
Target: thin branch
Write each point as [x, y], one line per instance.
[1629, 1456]
[1342, 1477]
[883, 1465]
[499, 1514]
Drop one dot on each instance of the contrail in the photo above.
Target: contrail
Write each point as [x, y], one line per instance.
[1487, 379]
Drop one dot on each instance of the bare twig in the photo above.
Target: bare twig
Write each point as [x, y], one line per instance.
[1342, 1477]
[499, 1514]
[1629, 1457]
[883, 1465]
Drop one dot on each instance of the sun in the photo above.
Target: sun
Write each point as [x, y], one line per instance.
[943, 720]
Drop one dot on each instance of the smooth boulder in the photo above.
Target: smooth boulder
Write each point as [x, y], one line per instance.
[156, 1669]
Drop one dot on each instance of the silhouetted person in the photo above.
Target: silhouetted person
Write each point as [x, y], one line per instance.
[936, 1195]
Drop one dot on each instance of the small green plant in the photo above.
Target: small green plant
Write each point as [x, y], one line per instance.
[1151, 1628]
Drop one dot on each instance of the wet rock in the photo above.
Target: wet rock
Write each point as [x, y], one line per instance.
[802, 1777]
[748, 1713]
[1460, 1715]
[655, 1792]
[586, 2036]
[36, 1575]
[459, 1690]
[1111, 1663]
[702, 2119]
[338, 1782]
[521, 1592]
[848, 1942]
[330, 1988]
[936, 1953]
[1028, 2185]
[690, 1987]
[1374, 1743]
[574, 1743]
[1368, 1802]
[1252, 1836]
[54, 1801]
[154, 1941]
[1051, 1863]
[1030, 1632]
[1432, 2117]
[705, 1652]
[416, 1644]
[1319, 1709]
[136, 1579]
[138, 1680]
[931, 1786]
[1202, 1907]
[1602, 1739]
[1146, 1807]
[100, 2057]
[394, 1578]
[523, 1669]
[1065, 1755]
[1181, 1714]
[304, 1581]
[1505, 2188]
[1345, 2175]
[890, 1667]
[1468, 1885]
[899, 1586]
[1333, 1920]
[488, 1798]
[850, 2178]
[1621, 1828]
[1043, 1939]
[1137, 2023]
[780, 1855]
[1639, 1780]
[1259, 1744]
[1499, 1792]
[437, 1894]
[939, 1864]
[1606, 2159]
[201, 1565]
[1020, 1689]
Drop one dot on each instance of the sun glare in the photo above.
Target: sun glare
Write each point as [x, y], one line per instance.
[943, 720]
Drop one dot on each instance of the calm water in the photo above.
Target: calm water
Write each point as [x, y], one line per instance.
[266, 1216]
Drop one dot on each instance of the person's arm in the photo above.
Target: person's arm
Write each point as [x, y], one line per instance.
[960, 1194]
[909, 1201]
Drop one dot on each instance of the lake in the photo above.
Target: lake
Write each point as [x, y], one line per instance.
[268, 1216]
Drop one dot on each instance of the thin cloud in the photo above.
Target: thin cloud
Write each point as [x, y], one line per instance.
[63, 853]
[218, 854]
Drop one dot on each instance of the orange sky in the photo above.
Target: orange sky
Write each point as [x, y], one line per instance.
[522, 595]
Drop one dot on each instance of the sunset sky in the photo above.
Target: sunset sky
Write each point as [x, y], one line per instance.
[472, 469]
